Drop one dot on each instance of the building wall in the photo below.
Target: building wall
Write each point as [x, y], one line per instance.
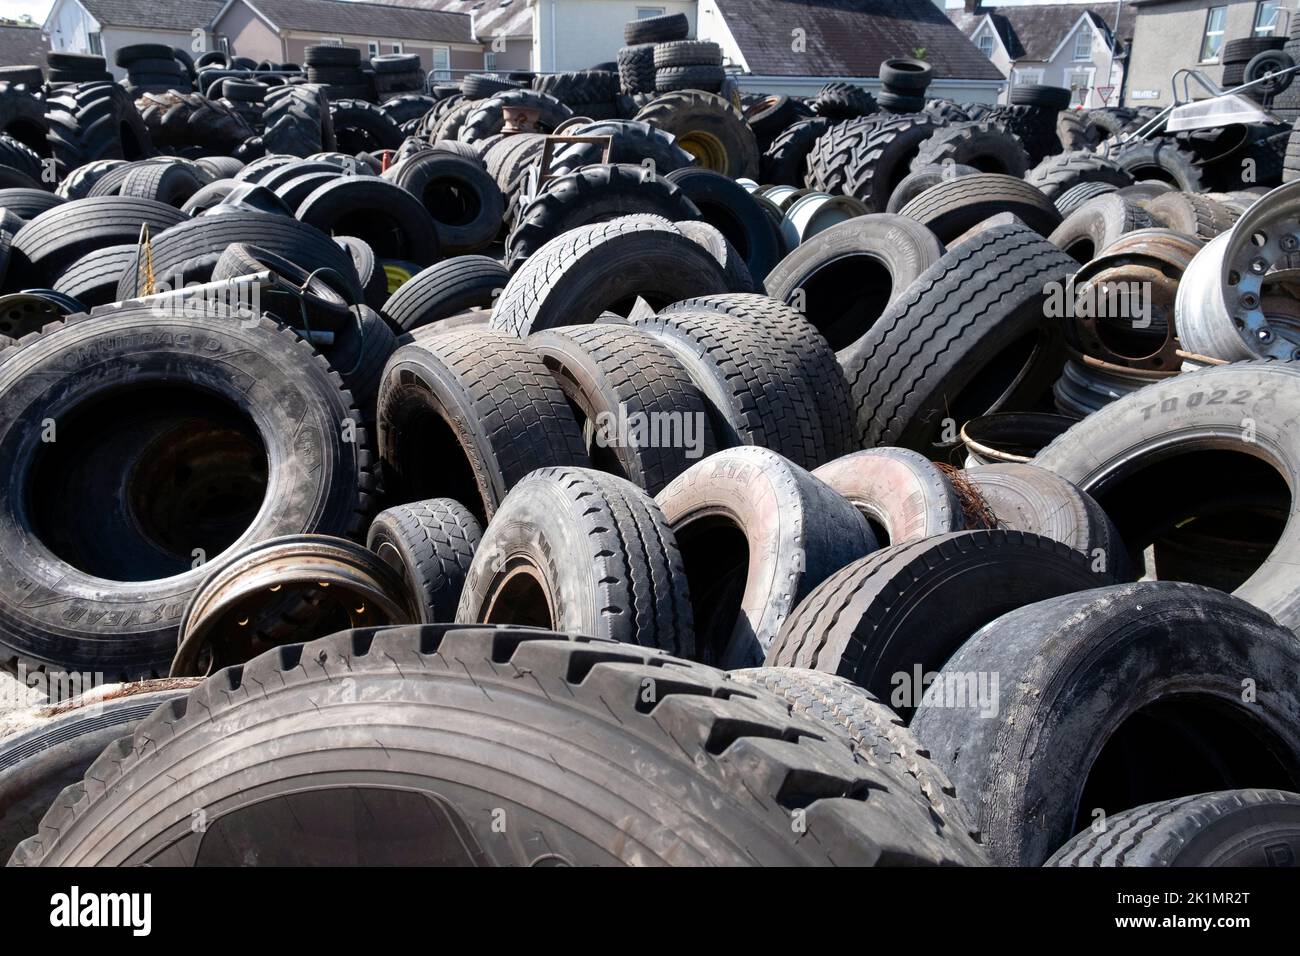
[513, 53]
[464, 57]
[577, 34]
[1167, 37]
[69, 26]
[249, 34]
[1058, 70]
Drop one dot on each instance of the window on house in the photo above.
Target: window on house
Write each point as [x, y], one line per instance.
[442, 63]
[985, 42]
[396, 47]
[330, 41]
[96, 42]
[1083, 45]
[645, 13]
[489, 61]
[1265, 18]
[1079, 83]
[1215, 19]
[372, 48]
[1027, 77]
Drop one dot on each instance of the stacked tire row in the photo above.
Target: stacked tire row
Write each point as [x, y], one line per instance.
[857, 507]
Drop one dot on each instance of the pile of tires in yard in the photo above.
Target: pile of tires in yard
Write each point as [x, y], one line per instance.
[619, 466]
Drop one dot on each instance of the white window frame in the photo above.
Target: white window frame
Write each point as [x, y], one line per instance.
[95, 43]
[330, 41]
[490, 61]
[1208, 33]
[395, 46]
[440, 74]
[983, 38]
[1265, 29]
[1027, 76]
[1089, 75]
[645, 13]
[1083, 38]
[372, 48]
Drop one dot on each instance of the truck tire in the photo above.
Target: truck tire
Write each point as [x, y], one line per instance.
[431, 545]
[1128, 693]
[985, 145]
[464, 202]
[867, 158]
[952, 206]
[392, 221]
[445, 289]
[904, 496]
[1096, 224]
[1055, 174]
[757, 533]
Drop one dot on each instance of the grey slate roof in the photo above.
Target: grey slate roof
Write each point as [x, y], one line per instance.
[850, 37]
[492, 18]
[1033, 32]
[22, 46]
[327, 17]
[154, 14]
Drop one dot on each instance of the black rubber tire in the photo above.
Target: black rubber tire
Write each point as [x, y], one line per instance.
[756, 534]
[900, 104]
[726, 205]
[408, 107]
[636, 69]
[903, 495]
[390, 219]
[1054, 98]
[360, 355]
[1227, 828]
[483, 86]
[981, 301]
[170, 183]
[709, 128]
[576, 88]
[370, 274]
[510, 162]
[487, 117]
[769, 116]
[673, 53]
[90, 121]
[922, 178]
[802, 350]
[221, 167]
[182, 119]
[867, 158]
[22, 115]
[37, 764]
[985, 145]
[1163, 160]
[633, 142]
[466, 414]
[431, 544]
[843, 101]
[1190, 214]
[578, 276]
[705, 79]
[698, 805]
[1251, 406]
[835, 277]
[613, 374]
[952, 206]
[464, 202]
[878, 737]
[601, 559]
[1074, 197]
[322, 55]
[1096, 224]
[591, 195]
[907, 609]
[286, 395]
[905, 75]
[784, 162]
[363, 127]
[191, 248]
[19, 160]
[1054, 175]
[708, 236]
[28, 75]
[92, 280]
[1037, 501]
[446, 289]
[1077, 668]
[28, 203]
[660, 29]
[295, 121]
[387, 63]
[54, 240]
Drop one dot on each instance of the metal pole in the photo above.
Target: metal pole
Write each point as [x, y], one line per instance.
[1114, 39]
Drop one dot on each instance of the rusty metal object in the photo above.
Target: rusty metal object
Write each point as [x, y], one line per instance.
[1088, 384]
[1010, 437]
[1154, 258]
[240, 609]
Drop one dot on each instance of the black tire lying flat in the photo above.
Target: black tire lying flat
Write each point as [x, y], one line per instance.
[1226, 828]
[1125, 454]
[466, 414]
[577, 550]
[431, 545]
[756, 533]
[967, 337]
[551, 751]
[37, 764]
[1129, 694]
[114, 580]
[578, 276]
[643, 418]
[907, 609]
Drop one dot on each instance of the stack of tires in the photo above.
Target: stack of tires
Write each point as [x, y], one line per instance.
[1238, 53]
[245, 97]
[69, 68]
[338, 70]
[591, 93]
[688, 65]
[903, 82]
[153, 68]
[637, 68]
[396, 73]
